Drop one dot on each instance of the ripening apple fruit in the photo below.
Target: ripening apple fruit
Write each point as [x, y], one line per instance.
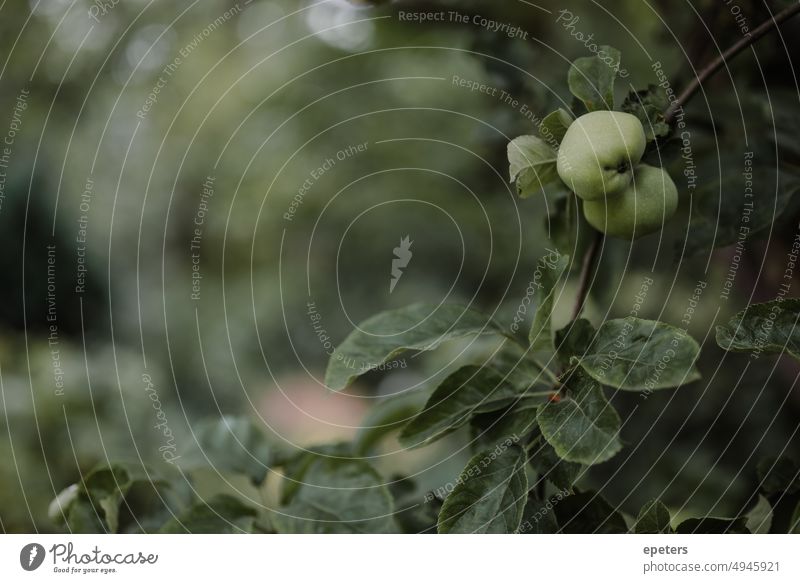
[641, 209]
[598, 153]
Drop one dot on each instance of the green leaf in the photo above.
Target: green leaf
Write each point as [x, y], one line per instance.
[470, 390]
[338, 496]
[635, 355]
[759, 518]
[230, 444]
[532, 164]
[653, 518]
[489, 496]
[561, 473]
[539, 516]
[387, 416]
[519, 369]
[649, 106]
[104, 488]
[515, 422]
[548, 272]
[770, 327]
[574, 340]
[591, 79]
[383, 337]
[582, 427]
[779, 475]
[554, 126]
[588, 513]
[710, 525]
[296, 466]
[222, 514]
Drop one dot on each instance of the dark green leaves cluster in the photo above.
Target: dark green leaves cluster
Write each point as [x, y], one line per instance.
[519, 417]
[649, 106]
[118, 498]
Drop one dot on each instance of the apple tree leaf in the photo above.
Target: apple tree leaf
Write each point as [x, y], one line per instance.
[230, 444]
[654, 518]
[539, 516]
[591, 79]
[759, 517]
[770, 327]
[549, 271]
[384, 336]
[544, 459]
[554, 125]
[338, 495]
[532, 164]
[387, 416]
[469, 390]
[515, 421]
[582, 427]
[490, 494]
[637, 355]
[574, 339]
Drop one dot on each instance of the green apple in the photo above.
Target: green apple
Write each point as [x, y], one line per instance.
[641, 209]
[598, 153]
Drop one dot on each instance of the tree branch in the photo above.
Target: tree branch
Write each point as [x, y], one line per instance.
[731, 52]
[589, 259]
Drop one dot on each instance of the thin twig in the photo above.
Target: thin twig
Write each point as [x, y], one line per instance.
[589, 259]
[736, 48]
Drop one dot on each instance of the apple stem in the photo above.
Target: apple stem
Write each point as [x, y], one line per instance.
[735, 49]
[589, 260]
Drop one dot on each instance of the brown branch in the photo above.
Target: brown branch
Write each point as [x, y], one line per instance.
[589, 260]
[735, 49]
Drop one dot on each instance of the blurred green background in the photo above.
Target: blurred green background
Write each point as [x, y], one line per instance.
[252, 99]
